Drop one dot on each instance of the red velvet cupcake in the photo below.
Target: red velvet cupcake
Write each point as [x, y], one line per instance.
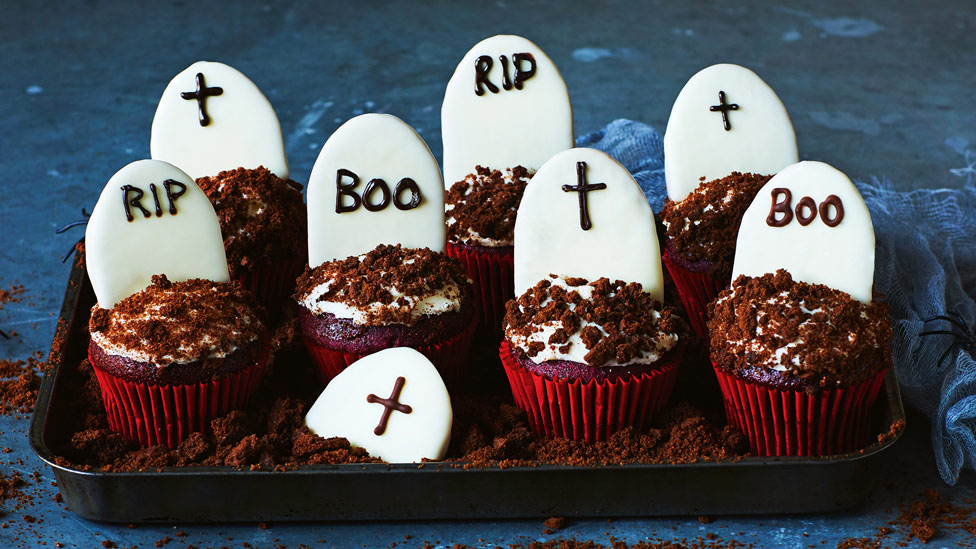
[587, 359]
[800, 365]
[390, 297]
[175, 355]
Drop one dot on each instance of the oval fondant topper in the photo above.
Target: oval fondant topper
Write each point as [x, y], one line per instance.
[584, 215]
[810, 220]
[151, 219]
[374, 182]
[213, 118]
[726, 119]
[505, 106]
[392, 403]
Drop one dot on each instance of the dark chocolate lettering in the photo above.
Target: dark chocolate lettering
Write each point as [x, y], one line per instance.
[200, 95]
[171, 196]
[389, 405]
[481, 67]
[346, 190]
[582, 188]
[368, 191]
[523, 74]
[806, 203]
[506, 83]
[784, 207]
[835, 201]
[134, 202]
[724, 108]
[407, 184]
[159, 211]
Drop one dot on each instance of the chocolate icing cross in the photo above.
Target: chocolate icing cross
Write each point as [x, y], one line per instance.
[201, 94]
[389, 405]
[724, 108]
[582, 187]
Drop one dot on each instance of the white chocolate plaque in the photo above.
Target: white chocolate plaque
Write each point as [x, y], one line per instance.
[604, 230]
[392, 403]
[505, 106]
[726, 119]
[374, 182]
[213, 118]
[810, 220]
[150, 219]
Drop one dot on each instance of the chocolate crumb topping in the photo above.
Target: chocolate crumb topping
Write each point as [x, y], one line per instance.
[818, 334]
[618, 323]
[178, 322]
[484, 203]
[388, 285]
[713, 213]
[262, 217]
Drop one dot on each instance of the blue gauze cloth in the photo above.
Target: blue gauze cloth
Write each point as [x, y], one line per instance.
[925, 265]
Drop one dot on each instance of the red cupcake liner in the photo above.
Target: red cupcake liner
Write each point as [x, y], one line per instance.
[449, 356]
[793, 423]
[696, 290]
[589, 411]
[494, 280]
[167, 414]
[273, 283]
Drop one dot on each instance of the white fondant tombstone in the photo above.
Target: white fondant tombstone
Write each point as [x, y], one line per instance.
[392, 403]
[217, 121]
[150, 219]
[620, 242]
[810, 220]
[726, 119]
[374, 182]
[505, 106]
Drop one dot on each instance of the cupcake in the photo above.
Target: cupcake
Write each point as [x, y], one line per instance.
[798, 344]
[378, 276]
[717, 157]
[217, 126]
[588, 347]
[506, 111]
[174, 343]
[389, 297]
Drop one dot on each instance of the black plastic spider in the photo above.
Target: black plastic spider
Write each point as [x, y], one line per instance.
[964, 338]
[73, 224]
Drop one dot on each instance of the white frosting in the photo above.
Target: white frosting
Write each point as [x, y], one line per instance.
[514, 127]
[342, 410]
[621, 244]
[374, 146]
[577, 350]
[472, 236]
[243, 129]
[840, 257]
[696, 144]
[122, 256]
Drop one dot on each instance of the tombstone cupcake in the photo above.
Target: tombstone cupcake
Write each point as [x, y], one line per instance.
[506, 111]
[799, 347]
[217, 126]
[173, 342]
[727, 135]
[378, 276]
[589, 348]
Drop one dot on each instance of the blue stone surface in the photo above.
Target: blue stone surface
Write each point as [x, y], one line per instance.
[877, 89]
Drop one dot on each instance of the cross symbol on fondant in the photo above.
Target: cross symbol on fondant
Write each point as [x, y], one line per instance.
[582, 187]
[389, 405]
[724, 108]
[201, 94]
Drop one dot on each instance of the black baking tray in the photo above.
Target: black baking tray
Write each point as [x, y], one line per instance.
[440, 491]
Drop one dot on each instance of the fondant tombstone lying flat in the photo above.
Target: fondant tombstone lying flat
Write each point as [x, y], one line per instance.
[150, 219]
[810, 220]
[374, 182]
[212, 118]
[505, 106]
[583, 215]
[725, 119]
[392, 403]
